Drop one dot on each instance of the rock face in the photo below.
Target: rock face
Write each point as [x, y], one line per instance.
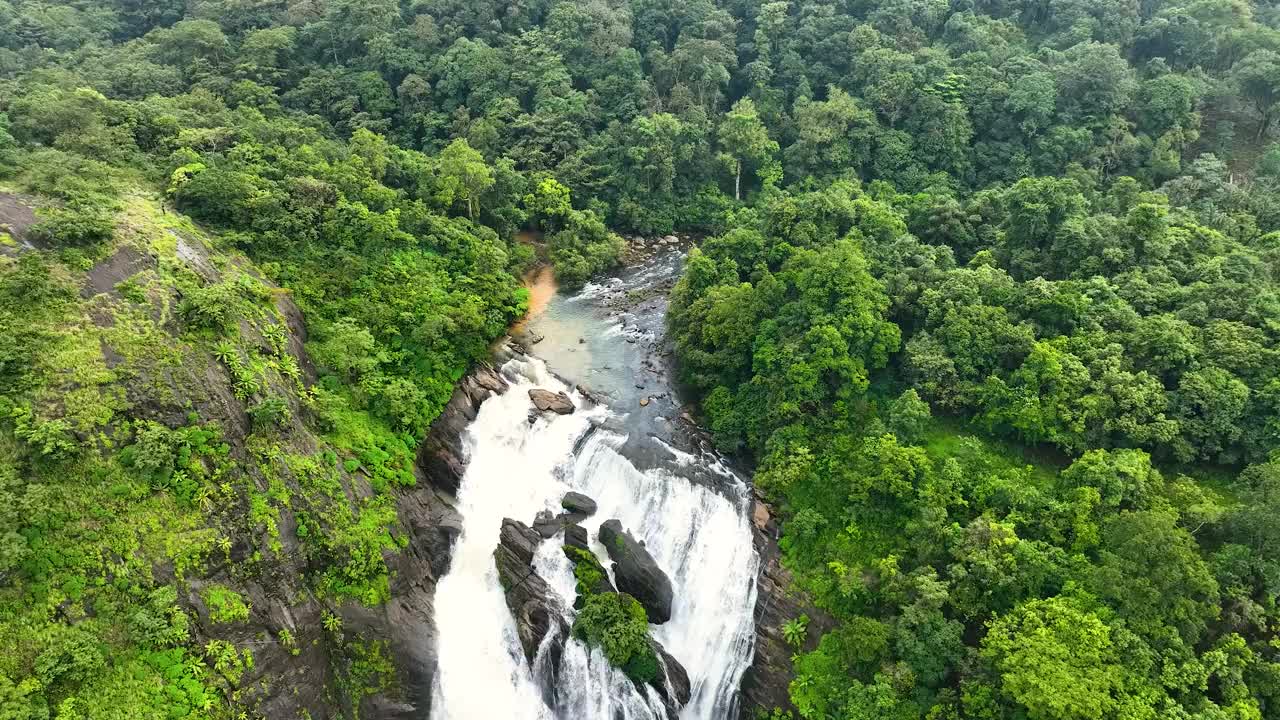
[636, 572]
[575, 536]
[556, 402]
[577, 507]
[546, 524]
[440, 456]
[431, 524]
[764, 685]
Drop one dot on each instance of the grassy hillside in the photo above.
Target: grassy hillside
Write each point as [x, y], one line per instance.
[168, 470]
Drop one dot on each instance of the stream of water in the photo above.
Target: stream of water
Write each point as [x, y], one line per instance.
[685, 504]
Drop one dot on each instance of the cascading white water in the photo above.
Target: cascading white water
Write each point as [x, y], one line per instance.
[699, 536]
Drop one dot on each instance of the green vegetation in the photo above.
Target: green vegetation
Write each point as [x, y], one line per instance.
[588, 573]
[990, 297]
[225, 604]
[616, 623]
[1070, 566]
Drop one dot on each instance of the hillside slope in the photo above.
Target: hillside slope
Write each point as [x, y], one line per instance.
[198, 531]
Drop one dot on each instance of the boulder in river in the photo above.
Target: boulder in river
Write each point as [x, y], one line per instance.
[547, 524]
[576, 503]
[556, 402]
[636, 572]
[575, 536]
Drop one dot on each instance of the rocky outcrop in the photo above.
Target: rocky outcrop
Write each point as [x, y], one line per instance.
[575, 536]
[577, 507]
[578, 504]
[765, 683]
[440, 457]
[636, 572]
[431, 525]
[533, 603]
[556, 402]
[547, 524]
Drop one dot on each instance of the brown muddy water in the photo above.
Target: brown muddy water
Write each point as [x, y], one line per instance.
[541, 283]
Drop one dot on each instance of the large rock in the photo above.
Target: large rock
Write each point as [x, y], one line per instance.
[575, 536]
[556, 402]
[578, 504]
[440, 457]
[636, 572]
[547, 524]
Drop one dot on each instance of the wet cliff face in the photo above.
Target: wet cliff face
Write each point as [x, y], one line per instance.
[320, 671]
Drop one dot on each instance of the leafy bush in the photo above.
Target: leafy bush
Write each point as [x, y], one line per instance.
[617, 623]
[217, 305]
[69, 655]
[270, 414]
[225, 605]
[587, 571]
[49, 438]
[76, 225]
[159, 622]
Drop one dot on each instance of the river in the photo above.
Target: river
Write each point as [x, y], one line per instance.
[645, 465]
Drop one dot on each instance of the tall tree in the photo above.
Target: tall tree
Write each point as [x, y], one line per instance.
[464, 175]
[745, 141]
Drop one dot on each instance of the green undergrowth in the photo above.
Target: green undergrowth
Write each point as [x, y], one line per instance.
[588, 573]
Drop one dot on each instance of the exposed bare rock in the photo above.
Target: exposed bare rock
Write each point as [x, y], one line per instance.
[637, 573]
[556, 402]
[123, 264]
[533, 603]
[441, 457]
[578, 505]
[673, 686]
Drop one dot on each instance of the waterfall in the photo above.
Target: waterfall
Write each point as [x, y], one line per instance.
[699, 535]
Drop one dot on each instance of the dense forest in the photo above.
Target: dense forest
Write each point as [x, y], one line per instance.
[989, 295]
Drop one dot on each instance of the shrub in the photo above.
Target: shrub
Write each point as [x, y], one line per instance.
[588, 572]
[225, 605]
[211, 307]
[270, 414]
[616, 623]
[216, 306]
[76, 225]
